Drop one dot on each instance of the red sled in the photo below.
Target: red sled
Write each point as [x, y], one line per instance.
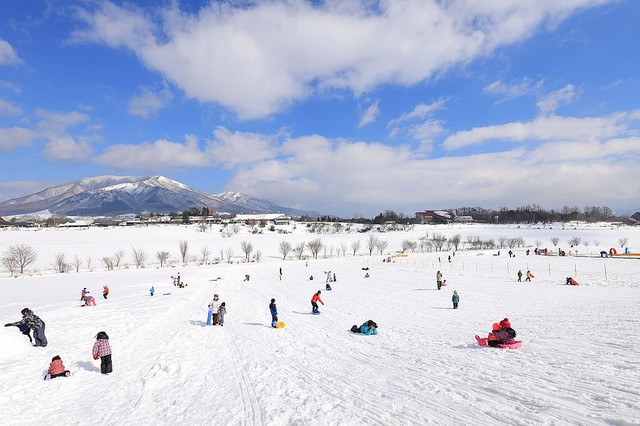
[516, 344]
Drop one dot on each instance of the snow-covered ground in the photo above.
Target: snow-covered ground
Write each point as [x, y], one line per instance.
[580, 362]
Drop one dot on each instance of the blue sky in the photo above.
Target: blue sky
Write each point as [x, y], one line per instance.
[346, 107]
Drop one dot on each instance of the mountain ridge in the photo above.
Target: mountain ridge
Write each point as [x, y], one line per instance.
[115, 195]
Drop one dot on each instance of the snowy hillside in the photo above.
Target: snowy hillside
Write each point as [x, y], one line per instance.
[579, 363]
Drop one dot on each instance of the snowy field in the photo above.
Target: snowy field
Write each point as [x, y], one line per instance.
[580, 361]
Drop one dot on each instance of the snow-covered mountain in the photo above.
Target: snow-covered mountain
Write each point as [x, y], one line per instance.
[114, 195]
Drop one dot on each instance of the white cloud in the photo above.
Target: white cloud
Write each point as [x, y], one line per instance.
[370, 115]
[419, 112]
[158, 156]
[8, 56]
[542, 128]
[550, 103]
[16, 137]
[61, 145]
[426, 133]
[232, 149]
[7, 108]
[514, 90]
[257, 58]
[147, 103]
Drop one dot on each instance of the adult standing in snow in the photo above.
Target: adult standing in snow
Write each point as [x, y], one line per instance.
[274, 313]
[105, 291]
[519, 275]
[439, 279]
[34, 322]
[215, 306]
[314, 302]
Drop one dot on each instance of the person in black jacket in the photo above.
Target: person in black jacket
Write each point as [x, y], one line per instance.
[34, 323]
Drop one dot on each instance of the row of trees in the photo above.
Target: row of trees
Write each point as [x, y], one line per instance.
[18, 257]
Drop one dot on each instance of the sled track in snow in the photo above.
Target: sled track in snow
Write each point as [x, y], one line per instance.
[253, 414]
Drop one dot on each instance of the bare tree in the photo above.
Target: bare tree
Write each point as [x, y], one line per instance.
[314, 247]
[258, 256]
[9, 263]
[331, 249]
[372, 242]
[623, 242]
[438, 240]
[184, 250]
[139, 257]
[455, 241]
[538, 243]
[298, 250]
[406, 245]
[117, 258]
[20, 255]
[512, 242]
[355, 246]
[502, 241]
[163, 256]
[574, 241]
[285, 249]
[89, 263]
[60, 265]
[204, 254]
[247, 248]
[229, 254]
[555, 241]
[343, 249]
[381, 246]
[108, 262]
[76, 263]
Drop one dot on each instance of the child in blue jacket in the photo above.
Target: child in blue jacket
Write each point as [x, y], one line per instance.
[367, 328]
[274, 313]
[455, 299]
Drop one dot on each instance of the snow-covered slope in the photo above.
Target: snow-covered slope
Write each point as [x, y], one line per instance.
[579, 363]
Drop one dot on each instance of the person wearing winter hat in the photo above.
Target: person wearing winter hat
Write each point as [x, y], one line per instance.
[102, 350]
[505, 334]
[492, 340]
[56, 369]
[314, 302]
[455, 299]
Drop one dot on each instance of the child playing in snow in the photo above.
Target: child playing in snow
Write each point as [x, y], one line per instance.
[368, 328]
[455, 299]
[89, 300]
[102, 350]
[314, 301]
[222, 310]
[152, 290]
[505, 334]
[105, 291]
[56, 369]
[274, 313]
[84, 293]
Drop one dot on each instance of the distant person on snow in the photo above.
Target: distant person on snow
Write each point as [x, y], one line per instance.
[529, 276]
[105, 291]
[152, 290]
[89, 300]
[274, 313]
[455, 299]
[215, 306]
[314, 302]
[327, 287]
[102, 350]
[34, 323]
[519, 275]
[56, 369]
[439, 279]
[368, 328]
[84, 293]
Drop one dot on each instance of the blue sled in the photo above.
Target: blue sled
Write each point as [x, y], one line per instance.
[209, 317]
[315, 313]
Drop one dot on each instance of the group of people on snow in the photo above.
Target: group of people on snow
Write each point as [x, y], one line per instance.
[217, 311]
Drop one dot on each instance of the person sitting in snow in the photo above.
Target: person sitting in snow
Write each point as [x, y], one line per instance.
[506, 334]
[327, 286]
[34, 323]
[368, 328]
[89, 300]
[492, 340]
[56, 369]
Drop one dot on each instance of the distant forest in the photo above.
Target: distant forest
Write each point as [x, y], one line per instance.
[525, 214]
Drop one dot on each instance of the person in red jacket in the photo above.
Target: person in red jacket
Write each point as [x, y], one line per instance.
[314, 302]
[56, 369]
